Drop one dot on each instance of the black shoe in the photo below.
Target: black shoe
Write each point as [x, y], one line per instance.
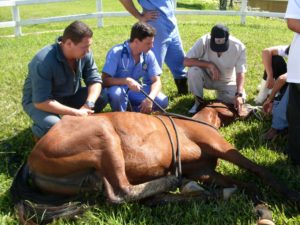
[181, 86]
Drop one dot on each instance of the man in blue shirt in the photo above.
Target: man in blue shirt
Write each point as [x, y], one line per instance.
[53, 85]
[126, 64]
[167, 44]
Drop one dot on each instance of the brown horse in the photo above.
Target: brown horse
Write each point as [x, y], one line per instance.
[134, 154]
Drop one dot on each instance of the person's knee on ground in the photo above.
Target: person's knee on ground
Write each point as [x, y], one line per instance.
[117, 98]
[136, 99]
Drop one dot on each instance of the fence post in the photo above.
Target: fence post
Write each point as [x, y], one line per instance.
[243, 11]
[16, 18]
[175, 4]
[99, 9]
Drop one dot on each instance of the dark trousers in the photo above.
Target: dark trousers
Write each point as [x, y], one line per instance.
[293, 116]
[278, 65]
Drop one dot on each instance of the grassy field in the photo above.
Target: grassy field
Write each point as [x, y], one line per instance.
[16, 138]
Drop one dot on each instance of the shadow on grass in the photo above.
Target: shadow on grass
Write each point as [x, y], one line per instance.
[271, 155]
[14, 151]
[190, 6]
[251, 137]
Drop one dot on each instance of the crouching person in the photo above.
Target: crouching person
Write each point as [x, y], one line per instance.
[53, 85]
[130, 67]
[217, 61]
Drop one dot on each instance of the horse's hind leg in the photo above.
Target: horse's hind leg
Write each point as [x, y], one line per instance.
[112, 169]
[224, 150]
[141, 191]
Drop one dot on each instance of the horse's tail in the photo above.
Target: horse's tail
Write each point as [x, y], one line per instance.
[34, 206]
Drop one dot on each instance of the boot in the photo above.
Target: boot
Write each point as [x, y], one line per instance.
[262, 94]
[181, 86]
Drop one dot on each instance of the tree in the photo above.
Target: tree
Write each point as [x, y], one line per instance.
[223, 4]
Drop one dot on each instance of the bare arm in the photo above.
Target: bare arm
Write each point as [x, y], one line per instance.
[109, 81]
[145, 16]
[294, 25]
[267, 54]
[147, 105]
[240, 79]
[279, 83]
[213, 69]
[94, 91]
[54, 106]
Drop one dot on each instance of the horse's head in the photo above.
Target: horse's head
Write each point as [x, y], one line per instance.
[216, 114]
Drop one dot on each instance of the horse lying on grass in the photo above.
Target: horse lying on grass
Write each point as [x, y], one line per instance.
[133, 155]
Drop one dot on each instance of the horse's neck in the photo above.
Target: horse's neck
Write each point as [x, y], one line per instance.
[208, 115]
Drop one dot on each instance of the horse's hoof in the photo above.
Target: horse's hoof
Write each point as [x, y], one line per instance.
[227, 192]
[265, 222]
[191, 187]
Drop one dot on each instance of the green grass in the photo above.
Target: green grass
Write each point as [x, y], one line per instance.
[16, 138]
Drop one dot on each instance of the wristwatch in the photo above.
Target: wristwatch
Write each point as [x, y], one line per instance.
[90, 104]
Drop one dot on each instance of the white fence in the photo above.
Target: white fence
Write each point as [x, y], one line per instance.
[17, 23]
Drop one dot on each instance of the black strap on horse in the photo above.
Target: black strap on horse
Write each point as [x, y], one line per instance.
[174, 115]
[176, 158]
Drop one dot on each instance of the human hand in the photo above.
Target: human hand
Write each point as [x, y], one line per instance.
[84, 111]
[146, 106]
[149, 15]
[270, 82]
[133, 84]
[267, 106]
[238, 104]
[214, 71]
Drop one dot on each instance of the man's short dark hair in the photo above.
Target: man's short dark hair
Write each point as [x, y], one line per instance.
[141, 31]
[76, 31]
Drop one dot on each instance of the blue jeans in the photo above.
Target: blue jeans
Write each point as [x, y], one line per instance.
[120, 96]
[43, 121]
[279, 120]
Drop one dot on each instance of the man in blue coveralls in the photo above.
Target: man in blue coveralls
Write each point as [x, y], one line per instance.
[53, 85]
[167, 44]
[126, 64]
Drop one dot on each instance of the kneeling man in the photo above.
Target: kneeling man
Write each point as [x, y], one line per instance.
[126, 64]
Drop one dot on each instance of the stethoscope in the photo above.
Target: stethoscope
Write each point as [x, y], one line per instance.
[126, 54]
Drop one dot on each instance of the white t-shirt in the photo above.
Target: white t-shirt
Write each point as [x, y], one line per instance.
[281, 50]
[229, 63]
[293, 67]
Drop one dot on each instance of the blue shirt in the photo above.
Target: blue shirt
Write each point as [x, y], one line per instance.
[120, 64]
[50, 76]
[166, 21]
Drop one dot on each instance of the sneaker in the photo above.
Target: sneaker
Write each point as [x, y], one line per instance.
[194, 109]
